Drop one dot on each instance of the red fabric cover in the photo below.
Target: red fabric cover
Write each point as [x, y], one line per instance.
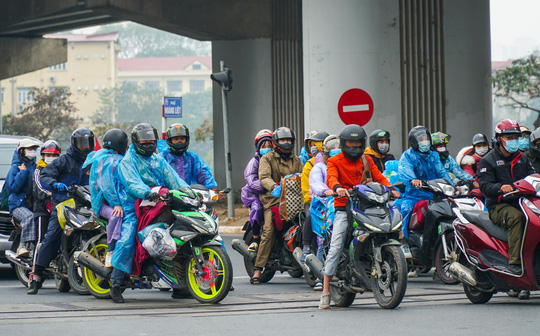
[278, 223]
[418, 217]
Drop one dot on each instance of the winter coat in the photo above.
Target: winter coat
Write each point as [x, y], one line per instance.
[41, 197]
[451, 166]
[253, 187]
[272, 168]
[190, 167]
[304, 156]
[18, 181]
[468, 160]
[305, 179]
[535, 162]
[378, 158]
[317, 180]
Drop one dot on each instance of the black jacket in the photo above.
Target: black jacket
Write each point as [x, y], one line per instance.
[495, 170]
[380, 162]
[40, 196]
[535, 162]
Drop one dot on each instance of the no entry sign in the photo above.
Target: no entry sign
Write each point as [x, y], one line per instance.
[355, 107]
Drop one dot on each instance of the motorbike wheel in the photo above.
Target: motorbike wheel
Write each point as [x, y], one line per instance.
[296, 273]
[75, 278]
[61, 284]
[22, 274]
[95, 284]
[341, 297]
[476, 296]
[441, 264]
[214, 285]
[267, 273]
[389, 288]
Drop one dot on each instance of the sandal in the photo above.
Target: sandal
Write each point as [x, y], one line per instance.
[255, 281]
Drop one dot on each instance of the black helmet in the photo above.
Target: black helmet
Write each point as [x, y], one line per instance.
[534, 149]
[415, 132]
[142, 132]
[354, 133]
[116, 139]
[378, 135]
[283, 133]
[176, 130]
[315, 136]
[82, 141]
[479, 138]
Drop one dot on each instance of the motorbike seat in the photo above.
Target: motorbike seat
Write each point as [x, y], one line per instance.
[481, 219]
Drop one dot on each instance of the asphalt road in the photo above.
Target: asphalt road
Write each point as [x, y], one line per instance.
[285, 306]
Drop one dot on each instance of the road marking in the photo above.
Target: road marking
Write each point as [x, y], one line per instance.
[356, 108]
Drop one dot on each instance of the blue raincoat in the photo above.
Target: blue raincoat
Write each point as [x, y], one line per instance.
[304, 157]
[138, 174]
[452, 167]
[17, 181]
[416, 166]
[190, 167]
[104, 178]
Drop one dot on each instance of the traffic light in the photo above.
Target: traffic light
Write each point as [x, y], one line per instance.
[224, 78]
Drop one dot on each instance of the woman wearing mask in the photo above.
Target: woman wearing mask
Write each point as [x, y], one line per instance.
[469, 157]
[379, 147]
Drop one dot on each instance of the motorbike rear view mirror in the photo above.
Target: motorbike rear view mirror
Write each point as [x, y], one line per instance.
[226, 190]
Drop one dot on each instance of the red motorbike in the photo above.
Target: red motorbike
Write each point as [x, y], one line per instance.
[483, 265]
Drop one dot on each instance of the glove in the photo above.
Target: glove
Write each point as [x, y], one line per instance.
[276, 191]
[60, 187]
[152, 196]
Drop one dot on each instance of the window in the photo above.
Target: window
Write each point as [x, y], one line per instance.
[58, 67]
[86, 88]
[96, 87]
[196, 67]
[96, 56]
[174, 86]
[196, 85]
[103, 56]
[129, 83]
[151, 85]
[54, 88]
[25, 95]
[78, 88]
[104, 87]
[78, 56]
[85, 56]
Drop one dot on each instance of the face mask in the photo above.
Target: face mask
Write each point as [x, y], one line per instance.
[333, 152]
[314, 150]
[481, 151]
[31, 154]
[511, 145]
[383, 148]
[265, 151]
[424, 146]
[49, 160]
[523, 144]
[149, 148]
[441, 149]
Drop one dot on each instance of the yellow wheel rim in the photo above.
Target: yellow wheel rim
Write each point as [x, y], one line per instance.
[92, 279]
[208, 285]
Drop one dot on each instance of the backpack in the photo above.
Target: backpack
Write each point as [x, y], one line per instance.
[4, 203]
[366, 173]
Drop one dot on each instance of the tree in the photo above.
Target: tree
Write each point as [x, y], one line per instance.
[519, 84]
[50, 115]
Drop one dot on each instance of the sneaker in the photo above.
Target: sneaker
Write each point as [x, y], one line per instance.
[253, 247]
[305, 252]
[524, 295]
[325, 301]
[35, 285]
[116, 294]
[108, 258]
[415, 273]
[318, 286]
[513, 293]
[515, 269]
[22, 252]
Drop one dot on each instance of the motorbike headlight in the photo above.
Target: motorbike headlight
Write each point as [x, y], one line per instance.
[397, 226]
[377, 198]
[372, 228]
[448, 190]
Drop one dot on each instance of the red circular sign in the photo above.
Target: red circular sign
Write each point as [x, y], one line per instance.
[355, 107]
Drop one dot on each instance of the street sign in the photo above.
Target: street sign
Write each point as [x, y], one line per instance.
[355, 107]
[172, 107]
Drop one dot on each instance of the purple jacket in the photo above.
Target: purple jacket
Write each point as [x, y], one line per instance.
[253, 187]
[317, 180]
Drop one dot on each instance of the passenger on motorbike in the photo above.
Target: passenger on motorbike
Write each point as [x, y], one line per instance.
[105, 187]
[379, 147]
[440, 142]
[18, 179]
[272, 167]
[534, 150]
[58, 176]
[469, 157]
[524, 139]
[344, 172]
[253, 188]
[313, 143]
[139, 171]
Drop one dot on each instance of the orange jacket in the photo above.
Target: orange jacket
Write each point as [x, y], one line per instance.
[342, 172]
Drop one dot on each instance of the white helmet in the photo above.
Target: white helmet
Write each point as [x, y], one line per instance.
[28, 142]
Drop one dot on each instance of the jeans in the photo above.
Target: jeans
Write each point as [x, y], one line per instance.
[339, 234]
[51, 242]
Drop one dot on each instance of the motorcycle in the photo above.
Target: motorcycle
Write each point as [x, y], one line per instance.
[372, 258]
[448, 200]
[201, 265]
[482, 266]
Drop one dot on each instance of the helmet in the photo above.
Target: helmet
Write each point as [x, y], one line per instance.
[378, 135]
[28, 143]
[525, 129]
[83, 141]
[415, 133]
[176, 130]
[142, 132]
[116, 139]
[314, 136]
[507, 127]
[354, 133]
[439, 138]
[534, 149]
[264, 134]
[51, 147]
[479, 138]
[330, 143]
[283, 133]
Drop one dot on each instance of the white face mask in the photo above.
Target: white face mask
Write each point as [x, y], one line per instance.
[30, 154]
[314, 150]
[441, 149]
[481, 150]
[49, 160]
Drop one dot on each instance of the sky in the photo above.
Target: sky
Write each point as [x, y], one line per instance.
[514, 28]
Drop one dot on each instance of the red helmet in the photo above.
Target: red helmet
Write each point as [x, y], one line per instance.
[51, 147]
[264, 133]
[507, 127]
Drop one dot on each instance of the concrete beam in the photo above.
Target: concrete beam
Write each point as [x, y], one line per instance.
[22, 55]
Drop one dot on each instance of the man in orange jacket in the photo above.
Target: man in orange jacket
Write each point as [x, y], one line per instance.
[344, 172]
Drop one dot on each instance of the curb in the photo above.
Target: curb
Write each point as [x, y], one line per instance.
[230, 229]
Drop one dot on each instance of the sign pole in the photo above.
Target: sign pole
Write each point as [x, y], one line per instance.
[228, 163]
[163, 122]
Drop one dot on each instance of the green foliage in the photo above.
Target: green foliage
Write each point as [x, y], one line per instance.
[50, 116]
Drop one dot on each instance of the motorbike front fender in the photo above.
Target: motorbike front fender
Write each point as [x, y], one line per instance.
[377, 248]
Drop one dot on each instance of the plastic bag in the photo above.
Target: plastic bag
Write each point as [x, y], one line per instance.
[291, 200]
[160, 244]
[70, 203]
[321, 211]
[146, 231]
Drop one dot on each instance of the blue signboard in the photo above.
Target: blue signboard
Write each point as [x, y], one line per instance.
[172, 107]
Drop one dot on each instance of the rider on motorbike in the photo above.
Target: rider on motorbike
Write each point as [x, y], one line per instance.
[59, 175]
[469, 157]
[278, 163]
[440, 142]
[534, 150]
[139, 171]
[524, 139]
[344, 172]
[379, 147]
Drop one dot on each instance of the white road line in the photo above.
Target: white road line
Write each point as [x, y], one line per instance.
[356, 108]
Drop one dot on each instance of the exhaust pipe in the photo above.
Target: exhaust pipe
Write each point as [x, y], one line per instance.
[315, 266]
[89, 261]
[298, 255]
[11, 256]
[462, 273]
[242, 248]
